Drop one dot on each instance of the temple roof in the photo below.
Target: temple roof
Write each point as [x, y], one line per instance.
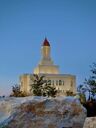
[46, 42]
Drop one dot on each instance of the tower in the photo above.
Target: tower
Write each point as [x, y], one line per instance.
[45, 53]
[46, 65]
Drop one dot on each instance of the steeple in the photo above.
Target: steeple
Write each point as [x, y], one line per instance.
[45, 50]
[46, 64]
[46, 42]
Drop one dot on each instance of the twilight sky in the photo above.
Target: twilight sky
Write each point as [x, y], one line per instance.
[69, 25]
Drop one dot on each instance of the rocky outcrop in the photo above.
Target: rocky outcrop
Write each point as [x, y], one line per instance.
[38, 112]
[90, 122]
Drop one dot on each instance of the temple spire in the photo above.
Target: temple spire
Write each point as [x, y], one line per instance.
[46, 64]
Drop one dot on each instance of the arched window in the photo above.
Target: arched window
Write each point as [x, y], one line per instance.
[56, 82]
[60, 82]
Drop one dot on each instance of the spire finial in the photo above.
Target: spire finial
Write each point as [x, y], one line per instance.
[46, 42]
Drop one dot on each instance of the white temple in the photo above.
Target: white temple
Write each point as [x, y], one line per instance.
[46, 67]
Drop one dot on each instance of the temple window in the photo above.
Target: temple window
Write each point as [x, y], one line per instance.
[60, 82]
[56, 82]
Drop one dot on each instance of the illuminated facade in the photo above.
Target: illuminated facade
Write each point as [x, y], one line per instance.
[46, 67]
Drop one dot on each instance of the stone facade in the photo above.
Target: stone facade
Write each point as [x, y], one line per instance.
[46, 67]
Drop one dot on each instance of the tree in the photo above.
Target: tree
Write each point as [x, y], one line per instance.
[41, 87]
[51, 91]
[90, 84]
[81, 92]
[37, 84]
[16, 92]
[70, 93]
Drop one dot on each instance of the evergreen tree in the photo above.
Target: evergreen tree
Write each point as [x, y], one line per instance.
[89, 84]
[16, 92]
[41, 87]
[37, 84]
[81, 92]
[50, 91]
[69, 93]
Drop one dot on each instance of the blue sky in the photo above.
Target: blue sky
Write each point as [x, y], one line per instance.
[69, 25]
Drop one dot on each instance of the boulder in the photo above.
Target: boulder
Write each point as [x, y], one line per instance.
[90, 122]
[40, 112]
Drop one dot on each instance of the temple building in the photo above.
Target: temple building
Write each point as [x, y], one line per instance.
[46, 67]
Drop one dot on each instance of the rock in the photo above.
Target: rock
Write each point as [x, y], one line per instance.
[90, 122]
[40, 112]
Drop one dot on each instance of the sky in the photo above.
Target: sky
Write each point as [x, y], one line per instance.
[69, 25]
